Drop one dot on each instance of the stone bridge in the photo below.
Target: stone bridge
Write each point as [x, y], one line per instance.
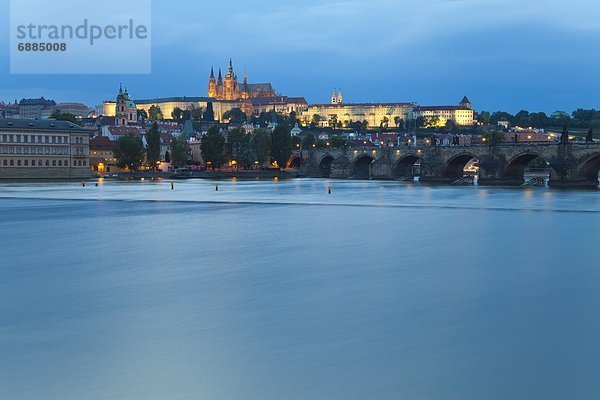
[571, 165]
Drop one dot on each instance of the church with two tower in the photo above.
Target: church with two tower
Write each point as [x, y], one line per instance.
[229, 89]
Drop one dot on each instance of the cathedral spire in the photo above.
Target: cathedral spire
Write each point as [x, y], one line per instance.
[120, 88]
[230, 69]
[245, 77]
[212, 72]
[220, 76]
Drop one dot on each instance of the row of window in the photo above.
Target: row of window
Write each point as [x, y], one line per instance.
[42, 163]
[34, 150]
[13, 138]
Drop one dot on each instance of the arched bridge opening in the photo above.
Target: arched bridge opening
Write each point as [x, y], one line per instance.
[461, 166]
[295, 162]
[590, 169]
[361, 168]
[325, 166]
[528, 168]
[405, 168]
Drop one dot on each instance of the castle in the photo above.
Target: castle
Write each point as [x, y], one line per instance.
[227, 88]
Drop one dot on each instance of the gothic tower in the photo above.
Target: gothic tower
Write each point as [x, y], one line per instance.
[230, 83]
[245, 91]
[212, 85]
[334, 97]
[220, 85]
[340, 98]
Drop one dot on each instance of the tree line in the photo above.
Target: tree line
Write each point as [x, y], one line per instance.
[247, 149]
[130, 152]
[578, 119]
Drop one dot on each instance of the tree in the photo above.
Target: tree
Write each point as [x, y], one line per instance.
[384, 122]
[61, 116]
[129, 152]
[239, 146]
[179, 155]
[142, 115]
[177, 114]
[399, 122]
[195, 112]
[281, 145]
[337, 141]
[308, 141]
[494, 138]
[235, 115]
[333, 120]
[209, 114]
[154, 113]
[293, 118]
[316, 118]
[153, 150]
[484, 117]
[261, 145]
[211, 147]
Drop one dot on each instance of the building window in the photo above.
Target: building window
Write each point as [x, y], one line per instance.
[66, 163]
[84, 163]
[33, 163]
[39, 163]
[60, 163]
[5, 163]
[18, 163]
[27, 163]
[47, 163]
[12, 163]
[54, 163]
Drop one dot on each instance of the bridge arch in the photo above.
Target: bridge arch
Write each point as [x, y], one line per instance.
[404, 166]
[455, 167]
[589, 168]
[515, 167]
[325, 165]
[361, 167]
[294, 162]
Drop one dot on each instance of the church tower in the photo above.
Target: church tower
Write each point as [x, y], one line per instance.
[230, 86]
[125, 110]
[212, 85]
[245, 91]
[340, 98]
[220, 85]
[334, 97]
[465, 102]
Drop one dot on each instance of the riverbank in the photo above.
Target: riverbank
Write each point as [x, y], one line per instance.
[251, 175]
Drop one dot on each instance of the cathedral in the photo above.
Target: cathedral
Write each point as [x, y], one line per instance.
[228, 88]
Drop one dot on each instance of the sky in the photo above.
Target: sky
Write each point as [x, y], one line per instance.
[503, 54]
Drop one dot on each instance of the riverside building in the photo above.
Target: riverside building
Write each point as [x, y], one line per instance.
[43, 149]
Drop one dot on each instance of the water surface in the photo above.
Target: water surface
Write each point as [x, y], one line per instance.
[277, 290]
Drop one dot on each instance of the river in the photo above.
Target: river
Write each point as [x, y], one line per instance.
[278, 290]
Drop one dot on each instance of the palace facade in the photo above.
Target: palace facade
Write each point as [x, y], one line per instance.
[43, 149]
[385, 114]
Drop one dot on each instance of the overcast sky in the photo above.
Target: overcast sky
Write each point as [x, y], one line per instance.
[503, 54]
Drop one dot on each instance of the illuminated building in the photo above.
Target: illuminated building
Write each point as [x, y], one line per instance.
[227, 88]
[43, 149]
